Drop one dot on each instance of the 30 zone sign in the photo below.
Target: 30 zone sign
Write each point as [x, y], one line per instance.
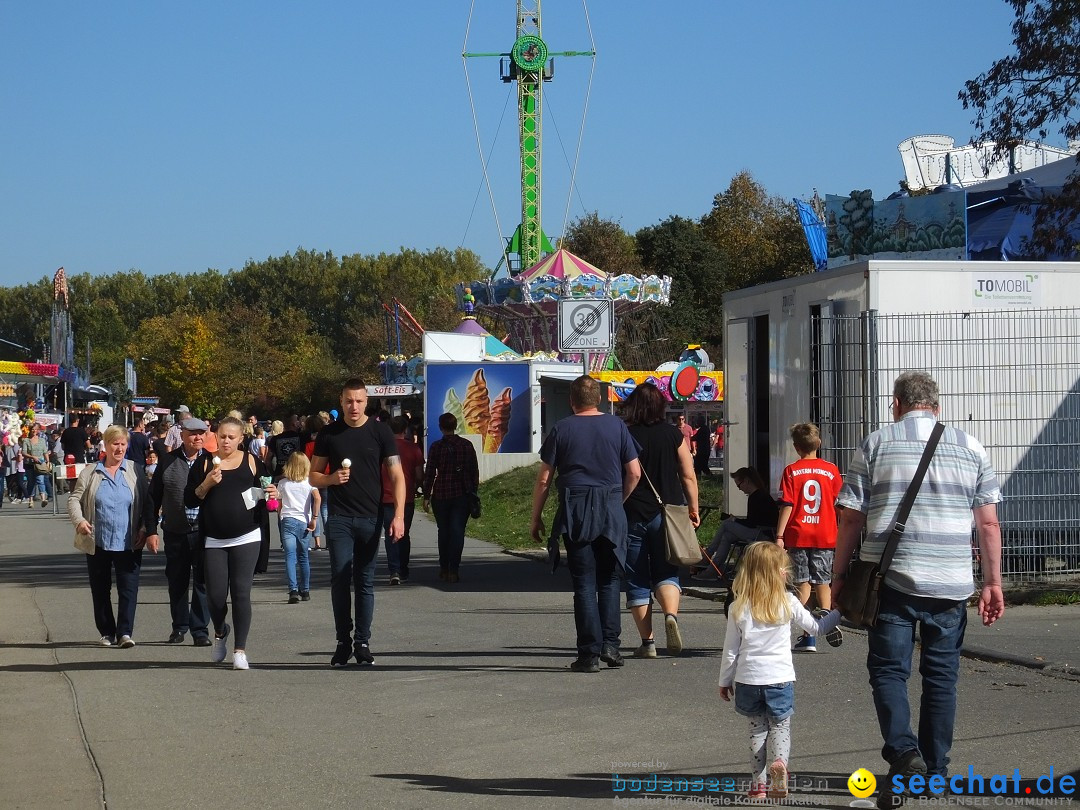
[584, 325]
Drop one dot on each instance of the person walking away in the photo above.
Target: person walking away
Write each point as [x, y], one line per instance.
[138, 445]
[172, 438]
[35, 451]
[352, 451]
[929, 580]
[807, 523]
[412, 467]
[296, 521]
[598, 468]
[312, 425]
[183, 541]
[665, 460]
[111, 503]
[74, 442]
[702, 448]
[232, 512]
[757, 666]
[450, 481]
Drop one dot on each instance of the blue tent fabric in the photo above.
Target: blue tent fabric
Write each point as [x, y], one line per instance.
[1001, 221]
[815, 235]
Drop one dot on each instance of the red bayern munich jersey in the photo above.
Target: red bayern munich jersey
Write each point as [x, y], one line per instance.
[810, 487]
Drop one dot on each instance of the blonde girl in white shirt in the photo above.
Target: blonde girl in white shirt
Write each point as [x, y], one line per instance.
[757, 664]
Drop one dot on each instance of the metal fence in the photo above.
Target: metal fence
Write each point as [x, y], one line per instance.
[1011, 379]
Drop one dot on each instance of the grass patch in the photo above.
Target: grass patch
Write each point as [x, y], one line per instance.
[507, 500]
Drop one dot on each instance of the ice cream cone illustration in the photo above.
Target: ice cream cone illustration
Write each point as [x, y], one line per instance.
[499, 422]
[452, 404]
[476, 404]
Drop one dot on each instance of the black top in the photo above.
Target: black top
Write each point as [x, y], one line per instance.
[366, 447]
[222, 513]
[138, 444]
[658, 452]
[73, 441]
[761, 511]
[281, 447]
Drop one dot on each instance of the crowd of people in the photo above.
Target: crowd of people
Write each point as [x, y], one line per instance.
[348, 479]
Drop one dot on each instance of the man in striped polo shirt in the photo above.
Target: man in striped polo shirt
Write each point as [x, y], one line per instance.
[930, 578]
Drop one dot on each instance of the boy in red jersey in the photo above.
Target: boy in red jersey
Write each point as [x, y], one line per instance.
[807, 524]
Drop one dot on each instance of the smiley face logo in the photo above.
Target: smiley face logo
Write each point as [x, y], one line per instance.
[861, 783]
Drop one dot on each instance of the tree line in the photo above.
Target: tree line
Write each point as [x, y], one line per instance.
[279, 334]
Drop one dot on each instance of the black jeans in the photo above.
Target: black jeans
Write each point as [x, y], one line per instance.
[100, 566]
[354, 546]
[451, 515]
[184, 567]
[397, 554]
[597, 579]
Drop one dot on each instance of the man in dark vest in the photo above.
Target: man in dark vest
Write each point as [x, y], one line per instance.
[183, 547]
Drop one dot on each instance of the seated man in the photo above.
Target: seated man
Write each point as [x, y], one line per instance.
[761, 516]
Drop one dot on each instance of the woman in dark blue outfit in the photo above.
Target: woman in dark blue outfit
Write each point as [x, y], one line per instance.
[665, 459]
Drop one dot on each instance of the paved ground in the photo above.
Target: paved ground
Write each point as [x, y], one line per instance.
[470, 703]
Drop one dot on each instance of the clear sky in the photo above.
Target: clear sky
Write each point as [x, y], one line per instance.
[176, 137]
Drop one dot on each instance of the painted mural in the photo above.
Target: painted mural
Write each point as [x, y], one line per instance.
[491, 400]
[681, 384]
[930, 226]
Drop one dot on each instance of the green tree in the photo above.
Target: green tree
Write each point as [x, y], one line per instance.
[679, 248]
[603, 243]
[758, 237]
[1031, 93]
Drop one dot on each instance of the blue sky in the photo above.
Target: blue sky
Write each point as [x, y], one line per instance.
[176, 137]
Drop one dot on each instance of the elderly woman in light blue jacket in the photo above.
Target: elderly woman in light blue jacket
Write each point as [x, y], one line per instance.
[111, 503]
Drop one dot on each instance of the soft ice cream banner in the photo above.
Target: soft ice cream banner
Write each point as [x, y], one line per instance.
[489, 400]
[683, 384]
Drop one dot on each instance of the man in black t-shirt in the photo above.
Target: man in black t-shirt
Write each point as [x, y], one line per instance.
[353, 451]
[284, 444]
[74, 442]
[138, 446]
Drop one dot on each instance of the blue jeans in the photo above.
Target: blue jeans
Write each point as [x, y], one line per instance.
[99, 568]
[42, 484]
[294, 540]
[647, 567]
[353, 543]
[777, 700]
[397, 554]
[941, 624]
[595, 574]
[451, 515]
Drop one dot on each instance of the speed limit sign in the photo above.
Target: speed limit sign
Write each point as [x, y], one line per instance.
[584, 324]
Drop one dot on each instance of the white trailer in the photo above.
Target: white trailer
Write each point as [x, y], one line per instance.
[1001, 338]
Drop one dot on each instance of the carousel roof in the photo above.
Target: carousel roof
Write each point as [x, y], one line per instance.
[561, 264]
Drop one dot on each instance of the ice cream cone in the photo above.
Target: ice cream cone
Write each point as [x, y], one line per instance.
[452, 405]
[476, 404]
[498, 421]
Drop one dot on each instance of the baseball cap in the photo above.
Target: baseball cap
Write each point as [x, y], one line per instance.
[184, 409]
[193, 424]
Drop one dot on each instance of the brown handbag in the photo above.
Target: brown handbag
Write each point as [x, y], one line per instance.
[860, 599]
[680, 536]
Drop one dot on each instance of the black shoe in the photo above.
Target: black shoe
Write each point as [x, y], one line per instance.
[176, 637]
[294, 597]
[906, 765]
[202, 641]
[341, 655]
[586, 663]
[612, 657]
[363, 655]
[305, 596]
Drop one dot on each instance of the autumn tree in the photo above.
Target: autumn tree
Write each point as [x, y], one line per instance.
[604, 244]
[758, 237]
[1031, 94]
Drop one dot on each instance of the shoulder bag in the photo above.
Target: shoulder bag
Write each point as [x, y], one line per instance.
[680, 536]
[860, 599]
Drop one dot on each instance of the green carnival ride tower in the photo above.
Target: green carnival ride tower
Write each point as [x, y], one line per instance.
[530, 64]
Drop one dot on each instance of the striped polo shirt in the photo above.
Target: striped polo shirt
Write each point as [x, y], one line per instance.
[933, 558]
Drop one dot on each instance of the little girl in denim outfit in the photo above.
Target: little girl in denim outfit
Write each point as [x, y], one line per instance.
[757, 660]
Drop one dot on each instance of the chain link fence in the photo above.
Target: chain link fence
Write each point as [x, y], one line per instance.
[1011, 379]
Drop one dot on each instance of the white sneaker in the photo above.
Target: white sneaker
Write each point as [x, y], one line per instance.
[105, 641]
[126, 642]
[239, 659]
[217, 649]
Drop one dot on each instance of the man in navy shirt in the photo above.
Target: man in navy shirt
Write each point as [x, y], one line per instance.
[598, 468]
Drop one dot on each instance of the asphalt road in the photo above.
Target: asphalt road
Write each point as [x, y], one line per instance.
[469, 704]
